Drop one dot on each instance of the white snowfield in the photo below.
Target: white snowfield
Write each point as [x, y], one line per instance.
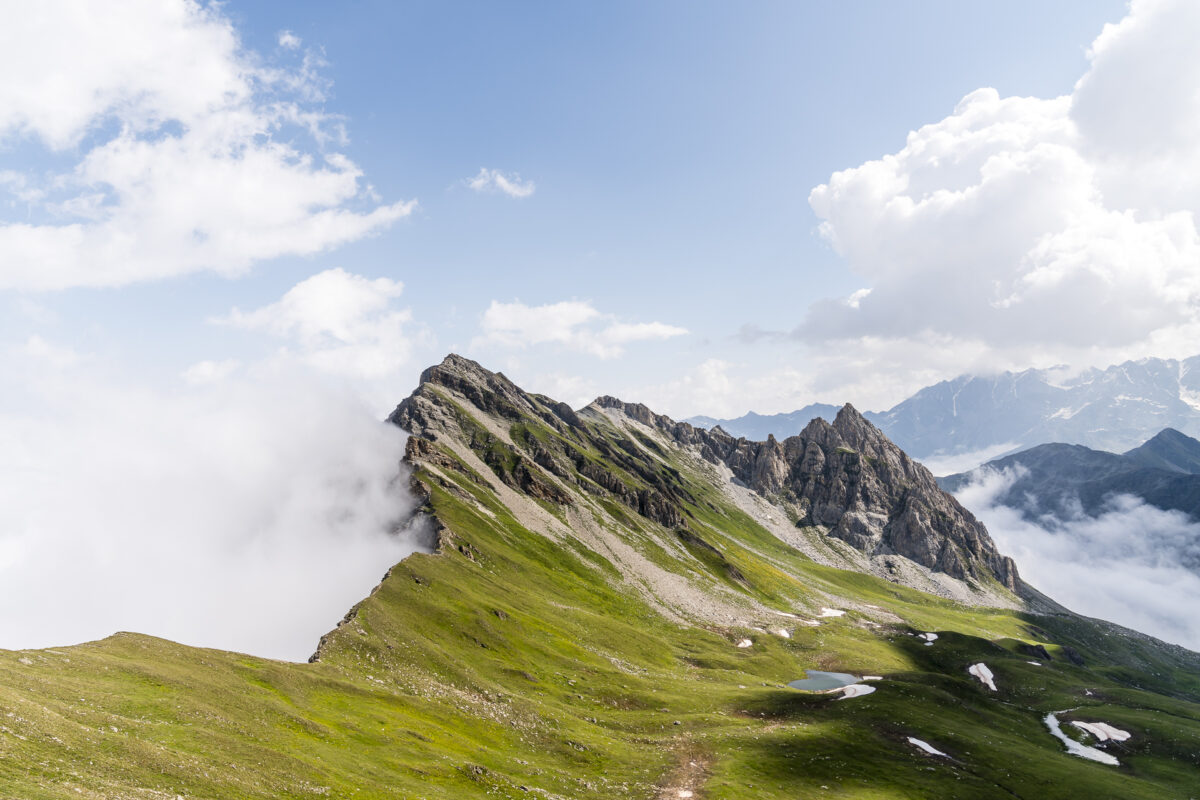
[872, 677]
[984, 674]
[745, 643]
[1102, 731]
[832, 612]
[926, 746]
[1075, 748]
[784, 633]
[929, 637]
[855, 690]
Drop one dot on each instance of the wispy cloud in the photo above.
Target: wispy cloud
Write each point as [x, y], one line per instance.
[573, 324]
[210, 371]
[194, 153]
[338, 322]
[493, 180]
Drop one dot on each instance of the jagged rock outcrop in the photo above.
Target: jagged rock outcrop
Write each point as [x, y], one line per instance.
[845, 478]
[848, 478]
[425, 413]
[437, 409]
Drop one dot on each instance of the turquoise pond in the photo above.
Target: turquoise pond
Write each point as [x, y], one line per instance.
[818, 681]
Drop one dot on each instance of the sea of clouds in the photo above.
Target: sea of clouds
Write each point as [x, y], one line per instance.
[1133, 564]
[246, 514]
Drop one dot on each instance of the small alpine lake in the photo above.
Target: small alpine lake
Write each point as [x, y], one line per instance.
[818, 681]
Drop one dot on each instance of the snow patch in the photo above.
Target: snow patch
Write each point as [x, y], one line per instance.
[926, 746]
[855, 690]
[1066, 412]
[984, 675]
[1074, 747]
[745, 643]
[1102, 731]
[1190, 397]
[831, 612]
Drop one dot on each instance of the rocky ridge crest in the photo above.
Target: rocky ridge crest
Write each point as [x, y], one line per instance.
[849, 479]
[844, 479]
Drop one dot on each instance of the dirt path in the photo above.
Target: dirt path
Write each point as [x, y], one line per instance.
[688, 777]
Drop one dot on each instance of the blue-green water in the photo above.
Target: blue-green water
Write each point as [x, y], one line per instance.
[818, 681]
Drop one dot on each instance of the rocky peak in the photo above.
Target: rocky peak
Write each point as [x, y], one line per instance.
[845, 478]
[854, 427]
[635, 411]
[849, 479]
[424, 412]
[848, 416]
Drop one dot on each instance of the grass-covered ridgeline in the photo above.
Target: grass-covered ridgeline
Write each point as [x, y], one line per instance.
[514, 665]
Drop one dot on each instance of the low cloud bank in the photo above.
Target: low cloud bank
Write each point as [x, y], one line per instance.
[954, 463]
[1133, 564]
[244, 514]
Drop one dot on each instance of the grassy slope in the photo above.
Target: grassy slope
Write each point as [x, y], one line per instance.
[521, 668]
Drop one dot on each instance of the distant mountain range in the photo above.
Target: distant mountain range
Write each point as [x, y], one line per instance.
[757, 427]
[1066, 480]
[1112, 409]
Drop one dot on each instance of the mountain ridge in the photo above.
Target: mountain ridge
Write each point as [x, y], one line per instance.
[843, 480]
[1066, 480]
[1169, 449]
[608, 613]
[818, 477]
[1113, 408]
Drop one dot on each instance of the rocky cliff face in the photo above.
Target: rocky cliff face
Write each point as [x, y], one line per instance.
[849, 479]
[844, 479]
[525, 462]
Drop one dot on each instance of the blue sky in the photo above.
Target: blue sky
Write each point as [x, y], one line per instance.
[231, 236]
[672, 147]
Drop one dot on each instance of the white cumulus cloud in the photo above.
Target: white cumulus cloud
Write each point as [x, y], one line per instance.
[340, 323]
[493, 180]
[185, 151]
[572, 324]
[1037, 230]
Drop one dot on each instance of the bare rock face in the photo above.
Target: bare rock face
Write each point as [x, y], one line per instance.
[845, 478]
[425, 412]
[851, 480]
[439, 408]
